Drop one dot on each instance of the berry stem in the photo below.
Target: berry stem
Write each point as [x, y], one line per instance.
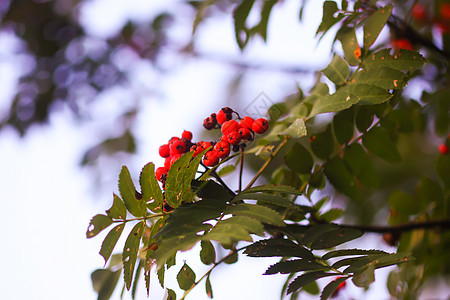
[271, 157]
[241, 170]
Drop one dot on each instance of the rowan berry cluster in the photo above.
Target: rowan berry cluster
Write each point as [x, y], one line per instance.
[236, 133]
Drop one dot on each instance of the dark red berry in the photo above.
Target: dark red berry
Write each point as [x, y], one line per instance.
[210, 122]
[164, 151]
[211, 158]
[246, 122]
[160, 172]
[260, 125]
[234, 138]
[246, 134]
[443, 149]
[187, 135]
[177, 147]
[223, 149]
[230, 126]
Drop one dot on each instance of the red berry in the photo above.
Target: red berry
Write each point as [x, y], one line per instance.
[230, 126]
[402, 44]
[164, 151]
[197, 150]
[177, 147]
[445, 11]
[418, 12]
[210, 122]
[174, 158]
[443, 149]
[223, 149]
[246, 134]
[160, 172]
[205, 145]
[260, 125]
[234, 138]
[173, 139]
[167, 162]
[187, 135]
[211, 158]
[246, 122]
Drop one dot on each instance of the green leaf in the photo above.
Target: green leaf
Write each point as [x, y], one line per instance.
[161, 274]
[364, 277]
[118, 209]
[292, 266]
[336, 237]
[323, 144]
[231, 258]
[442, 166]
[249, 224]
[352, 51]
[357, 160]
[207, 254]
[137, 207]
[348, 252]
[343, 125]
[261, 213]
[104, 282]
[404, 203]
[328, 19]
[403, 60]
[278, 247]
[369, 94]
[272, 188]
[151, 192]
[382, 77]
[130, 252]
[364, 117]
[332, 214]
[227, 233]
[261, 28]
[296, 130]
[178, 183]
[171, 295]
[341, 178]
[266, 198]
[315, 231]
[378, 142]
[208, 287]
[137, 276]
[374, 24]
[299, 160]
[240, 15]
[169, 246]
[340, 100]
[110, 241]
[306, 278]
[311, 288]
[97, 224]
[337, 71]
[330, 288]
[186, 277]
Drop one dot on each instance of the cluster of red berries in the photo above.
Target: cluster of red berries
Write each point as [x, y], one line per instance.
[234, 137]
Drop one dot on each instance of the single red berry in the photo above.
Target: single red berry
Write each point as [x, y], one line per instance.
[197, 150]
[167, 162]
[445, 11]
[443, 149]
[246, 122]
[260, 125]
[177, 147]
[174, 158]
[402, 44]
[173, 139]
[205, 145]
[418, 12]
[160, 173]
[230, 126]
[187, 135]
[234, 138]
[211, 158]
[164, 151]
[224, 115]
[246, 134]
[210, 122]
[223, 149]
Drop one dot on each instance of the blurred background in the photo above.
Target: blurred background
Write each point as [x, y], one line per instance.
[90, 85]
